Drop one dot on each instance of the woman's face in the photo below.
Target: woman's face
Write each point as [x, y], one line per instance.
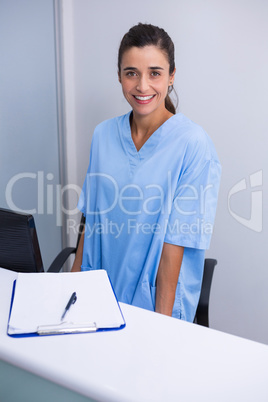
[145, 79]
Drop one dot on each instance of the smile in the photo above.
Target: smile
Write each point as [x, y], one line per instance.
[143, 98]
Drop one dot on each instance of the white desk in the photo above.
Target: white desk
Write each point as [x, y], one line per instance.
[155, 358]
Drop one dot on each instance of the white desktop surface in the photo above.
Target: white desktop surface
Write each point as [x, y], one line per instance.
[154, 358]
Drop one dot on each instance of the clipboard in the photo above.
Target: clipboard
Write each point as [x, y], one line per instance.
[39, 299]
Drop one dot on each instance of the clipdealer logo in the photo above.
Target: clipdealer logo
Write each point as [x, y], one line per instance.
[256, 203]
[132, 200]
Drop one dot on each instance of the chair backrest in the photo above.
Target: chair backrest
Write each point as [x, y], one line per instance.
[19, 247]
[201, 316]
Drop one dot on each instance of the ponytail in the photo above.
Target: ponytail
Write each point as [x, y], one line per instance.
[169, 105]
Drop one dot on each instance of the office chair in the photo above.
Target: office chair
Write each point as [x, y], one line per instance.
[201, 316]
[19, 246]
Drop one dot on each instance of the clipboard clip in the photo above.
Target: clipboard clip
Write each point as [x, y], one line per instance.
[66, 328]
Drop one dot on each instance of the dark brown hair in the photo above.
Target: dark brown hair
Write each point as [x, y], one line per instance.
[145, 35]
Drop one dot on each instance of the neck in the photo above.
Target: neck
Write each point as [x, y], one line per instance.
[142, 127]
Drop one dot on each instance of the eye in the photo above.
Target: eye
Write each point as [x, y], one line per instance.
[131, 74]
[155, 74]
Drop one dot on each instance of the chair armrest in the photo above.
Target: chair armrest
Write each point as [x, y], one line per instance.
[61, 259]
[201, 317]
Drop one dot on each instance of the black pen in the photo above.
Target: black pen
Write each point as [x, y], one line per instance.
[72, 300]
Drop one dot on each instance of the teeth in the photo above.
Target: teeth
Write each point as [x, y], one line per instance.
[143, 97]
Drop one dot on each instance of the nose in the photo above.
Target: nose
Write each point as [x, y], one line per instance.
[143, 84]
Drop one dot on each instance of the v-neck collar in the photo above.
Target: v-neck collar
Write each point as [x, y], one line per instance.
[148, 146]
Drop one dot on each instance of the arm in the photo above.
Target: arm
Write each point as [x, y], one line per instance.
[79, 255]
[167, 278]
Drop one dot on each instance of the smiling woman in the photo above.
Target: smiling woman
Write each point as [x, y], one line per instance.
[145, 79]
[140, 37]
[145, 87]
[148, 171]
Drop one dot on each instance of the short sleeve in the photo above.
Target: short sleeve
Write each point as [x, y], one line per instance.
[193, 210]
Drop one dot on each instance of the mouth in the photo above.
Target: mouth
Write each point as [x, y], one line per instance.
[143, 99]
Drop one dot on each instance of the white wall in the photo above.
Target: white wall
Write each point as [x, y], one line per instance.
[222, 64]
[28, 117]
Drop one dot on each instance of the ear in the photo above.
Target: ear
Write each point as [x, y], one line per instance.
[172, 76]
[119, 78]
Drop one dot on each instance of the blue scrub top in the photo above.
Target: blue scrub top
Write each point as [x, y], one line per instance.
[134, 201]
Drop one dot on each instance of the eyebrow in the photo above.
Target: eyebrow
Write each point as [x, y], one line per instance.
[150, 68]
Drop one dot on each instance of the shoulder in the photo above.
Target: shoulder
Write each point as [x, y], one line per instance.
[192, 131]
[106, 126]
[197, 142]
